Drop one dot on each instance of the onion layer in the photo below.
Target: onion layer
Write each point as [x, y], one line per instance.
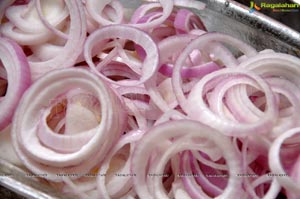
[175, 132]
[41, 159]
[17, 75]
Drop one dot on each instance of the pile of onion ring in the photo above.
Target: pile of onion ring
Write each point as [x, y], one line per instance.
[146, 105]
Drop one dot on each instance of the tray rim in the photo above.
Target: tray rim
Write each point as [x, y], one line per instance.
[275, 28]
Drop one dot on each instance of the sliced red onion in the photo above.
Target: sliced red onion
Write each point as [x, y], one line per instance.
[186, 20]
[203, 181]
[150, 64]
[200, 43]
[197, 108]
[115, 187]
[50, 24]
[292, 93]
[55, 10]
[138, 105]
[58, 142]
[155, 75]
[295, 176]
[142, 10]
[96, 8]
[194, 189]
[21, 38]
[273, 190]
[16, 71]
[167, 6]
[275, 162]
[92, 25]
[190, 72]
[21, 17]
[286, 69]
[72, 49]
[3, 6]
[179, 130]
[41, 159]
[166, 47]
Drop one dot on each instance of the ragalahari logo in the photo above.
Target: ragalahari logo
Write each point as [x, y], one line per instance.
[253, 7]
[275, 7]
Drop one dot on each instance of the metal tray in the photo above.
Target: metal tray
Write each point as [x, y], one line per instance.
[228, 17]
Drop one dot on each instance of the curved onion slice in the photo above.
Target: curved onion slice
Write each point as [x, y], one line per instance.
[275, 162]
[186, 20]
[167, 6]
[26, 25]
[169, 48]
[56, 20]
[200, 43]
[41, 159]
[115, 187]
[21, 38]
[198, 109]
[282, 72]
[56, 13]
[73, 47]
[150, 63]
[18, 78]
[180, 130]
[96, 9]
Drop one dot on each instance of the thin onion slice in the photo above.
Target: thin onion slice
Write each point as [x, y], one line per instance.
[39, 158]
[18, 78]
[167, 6]
[176, 130]
[96, 9]
[197, 108]
[72, 48]
[275, 163]
[150, 64]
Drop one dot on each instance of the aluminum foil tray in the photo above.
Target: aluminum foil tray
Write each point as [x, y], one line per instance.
[228, 17]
